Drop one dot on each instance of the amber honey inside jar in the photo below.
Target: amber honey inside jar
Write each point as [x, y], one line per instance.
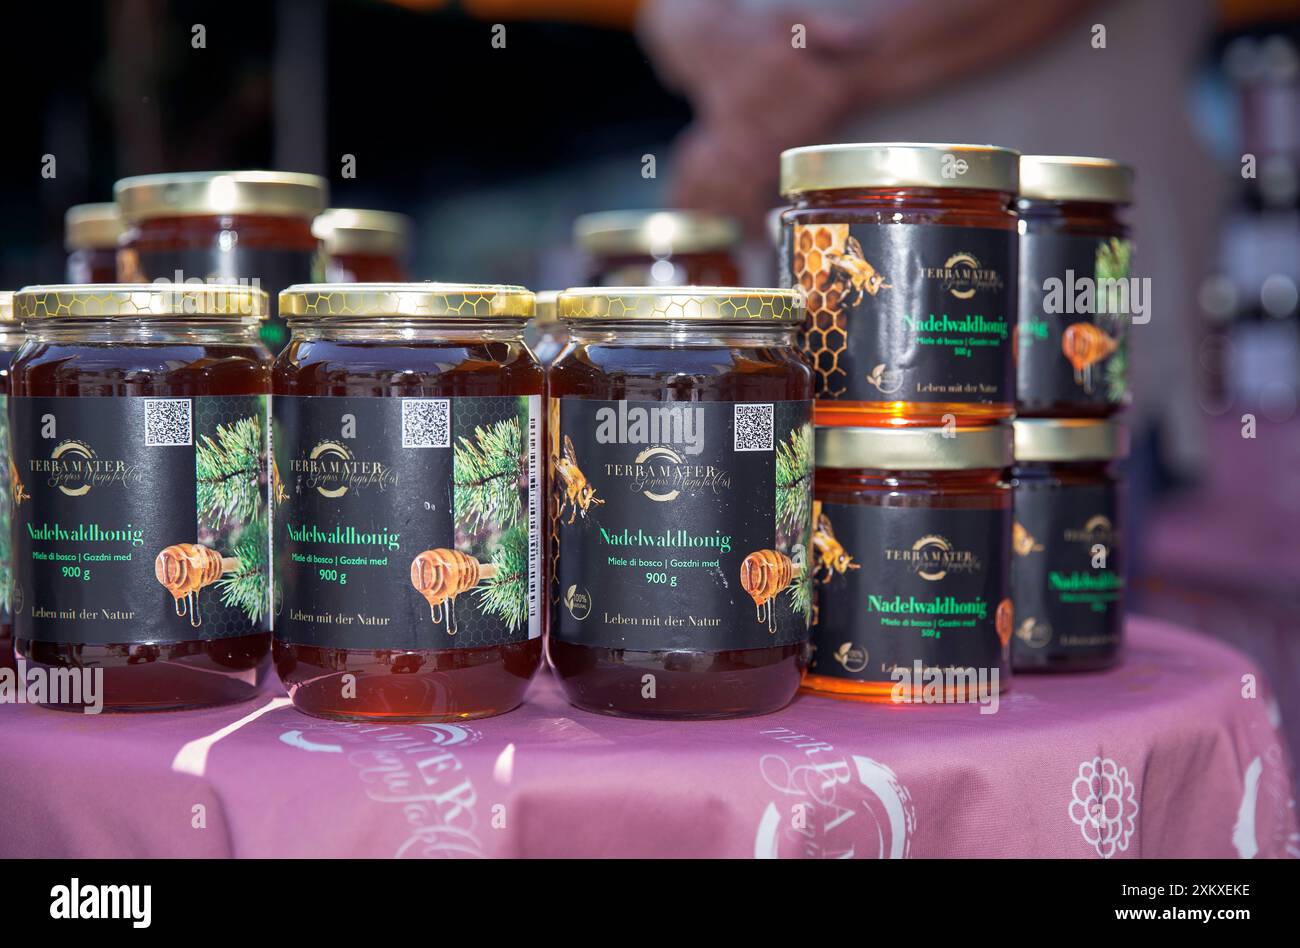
[659, 248]
[911, 545]
[680, 440]
[11, 338]
[1068, 568]
[90, 235]
[1075, 306]
[364, 246]
[223, 226]
[139, 483]
[407, 501]
[907, 256]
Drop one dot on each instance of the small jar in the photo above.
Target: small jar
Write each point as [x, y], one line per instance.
[1067, 572]
[911, 563]
[407, 500]
[658, 248]
[11, 337]
[681, 486]
[90, 235]
[907, 256]
[1073, 330]
[139, 481]
[224, 227]
[363, 246]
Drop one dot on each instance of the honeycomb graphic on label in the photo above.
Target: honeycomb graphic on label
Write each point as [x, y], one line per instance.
[824, 336]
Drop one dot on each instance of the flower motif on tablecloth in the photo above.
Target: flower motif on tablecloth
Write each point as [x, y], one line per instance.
[1105, 805]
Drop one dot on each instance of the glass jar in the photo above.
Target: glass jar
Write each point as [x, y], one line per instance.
[363, 246]
[407, 499]
[547, 335]
[680, 436]
[1067, 572]
[11, 337]
[224, 227]
[90, 235]
[1073, 328]
[658, 248]
[139, 482]
[907, 256]
[911, 564]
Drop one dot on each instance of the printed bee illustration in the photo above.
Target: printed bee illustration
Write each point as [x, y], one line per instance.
[185, 568]
[853, 267]
[441, 575]
[278, 493]
[578, 492]
[1022, 541]
[832, 558]
[16, 489]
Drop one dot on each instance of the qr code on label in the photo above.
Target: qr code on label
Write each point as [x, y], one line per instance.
[426, 423]
[753, 424]
[168, 423]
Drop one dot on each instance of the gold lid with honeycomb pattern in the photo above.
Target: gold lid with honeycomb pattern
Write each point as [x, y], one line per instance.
[914, 449]
[707, 303]
[139, 300]
[898, 165]
[91, 227]
[204, 193]
[399, 300]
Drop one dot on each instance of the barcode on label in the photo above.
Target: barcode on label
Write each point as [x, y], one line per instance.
[754, 427]
[168, 423]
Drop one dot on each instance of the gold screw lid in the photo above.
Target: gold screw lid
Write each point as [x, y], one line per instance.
[355, 230]
[7, 306]
[704, 303]
[898, 165]
[440, 300]
[1070, 178]
[914, 449]
[139, 300]
[91, 227]
[654, 233]
[203, 193]
[1069, 439]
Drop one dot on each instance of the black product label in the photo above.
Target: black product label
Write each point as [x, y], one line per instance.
[900, 585]
[407, 523]
[906, 312]
[265, 268]
[1073, 332]
[680, 525]
[1067, 577]
[139, 519]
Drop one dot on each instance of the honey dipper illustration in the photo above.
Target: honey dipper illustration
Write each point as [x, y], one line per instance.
[441, 575]
[185, 568]
[1084, 345]
[764, 574]
[1003, 621]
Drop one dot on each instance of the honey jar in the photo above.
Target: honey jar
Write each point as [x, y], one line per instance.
[907, 256]
[407, 501]
[658, 248]
[11, 338]
[363, 246]
[90, 235]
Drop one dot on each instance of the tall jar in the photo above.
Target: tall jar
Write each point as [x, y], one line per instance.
[225, 227]
[907, 256]
[1068, 568]
[911, 564]
[681, 486]
[90, 235]
[407, 421]
[139, 480]
[364, 246]
[1074, 269]
[11, 337]
[658, 248]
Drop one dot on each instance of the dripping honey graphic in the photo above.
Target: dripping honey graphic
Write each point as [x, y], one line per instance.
[765, 574]
[441, 575]
[185, 568]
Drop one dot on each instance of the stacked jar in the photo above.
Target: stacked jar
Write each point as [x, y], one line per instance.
[364, 246]
[906, 254]
[658, 248]
[223, 227]
[90, 236]
[11, 338]
[1072, 380]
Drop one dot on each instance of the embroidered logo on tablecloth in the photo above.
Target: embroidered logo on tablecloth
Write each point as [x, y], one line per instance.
[1104, 806]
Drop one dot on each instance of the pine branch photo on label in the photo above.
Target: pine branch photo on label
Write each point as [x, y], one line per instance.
[488, 470]
[505, 595]
[247, 588]
[229, 471]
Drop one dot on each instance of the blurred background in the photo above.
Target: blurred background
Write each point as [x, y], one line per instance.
[493, 124]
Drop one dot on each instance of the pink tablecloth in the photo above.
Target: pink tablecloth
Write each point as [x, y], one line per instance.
[1162, 757]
